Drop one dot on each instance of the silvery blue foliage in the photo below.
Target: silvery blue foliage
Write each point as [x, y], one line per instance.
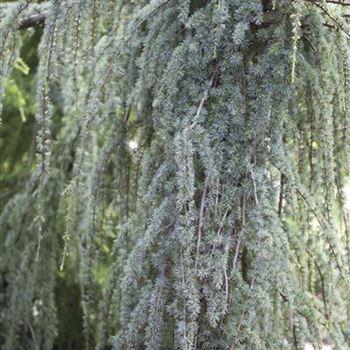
[226, 223]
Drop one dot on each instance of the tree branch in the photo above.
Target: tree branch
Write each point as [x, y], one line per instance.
[330, 16]
[38, 19]
[32, 21]
[341, 3]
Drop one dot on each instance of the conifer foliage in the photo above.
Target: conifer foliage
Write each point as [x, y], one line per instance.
[193, 153]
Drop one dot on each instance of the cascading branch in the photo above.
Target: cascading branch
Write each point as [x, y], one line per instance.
[197, 153]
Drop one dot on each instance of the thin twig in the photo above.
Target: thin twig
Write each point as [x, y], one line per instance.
[238, 245]
[219, 230]
[201, 221]
[328, 14]
[201, 103]
[323, 290]
[281, 196]
[256, 200]
[341, 3]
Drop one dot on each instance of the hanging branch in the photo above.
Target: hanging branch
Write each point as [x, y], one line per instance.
[38, 20]
[330, 15]
[341, 3]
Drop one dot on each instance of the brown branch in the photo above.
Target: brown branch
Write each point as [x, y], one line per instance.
[255, 192]
[239, 238]
[201, 103]
[201, 221]
[38, 19]
[327, 13]
[341, 3]
[323, 290]
[35, 20]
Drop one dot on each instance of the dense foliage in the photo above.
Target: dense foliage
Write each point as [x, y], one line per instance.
[188, 185]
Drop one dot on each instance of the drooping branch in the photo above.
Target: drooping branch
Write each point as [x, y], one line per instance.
[337, 25]
[342, 3]
[38, 19]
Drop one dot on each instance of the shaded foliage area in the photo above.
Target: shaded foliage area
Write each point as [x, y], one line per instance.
[188, 186]
[18, 130]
